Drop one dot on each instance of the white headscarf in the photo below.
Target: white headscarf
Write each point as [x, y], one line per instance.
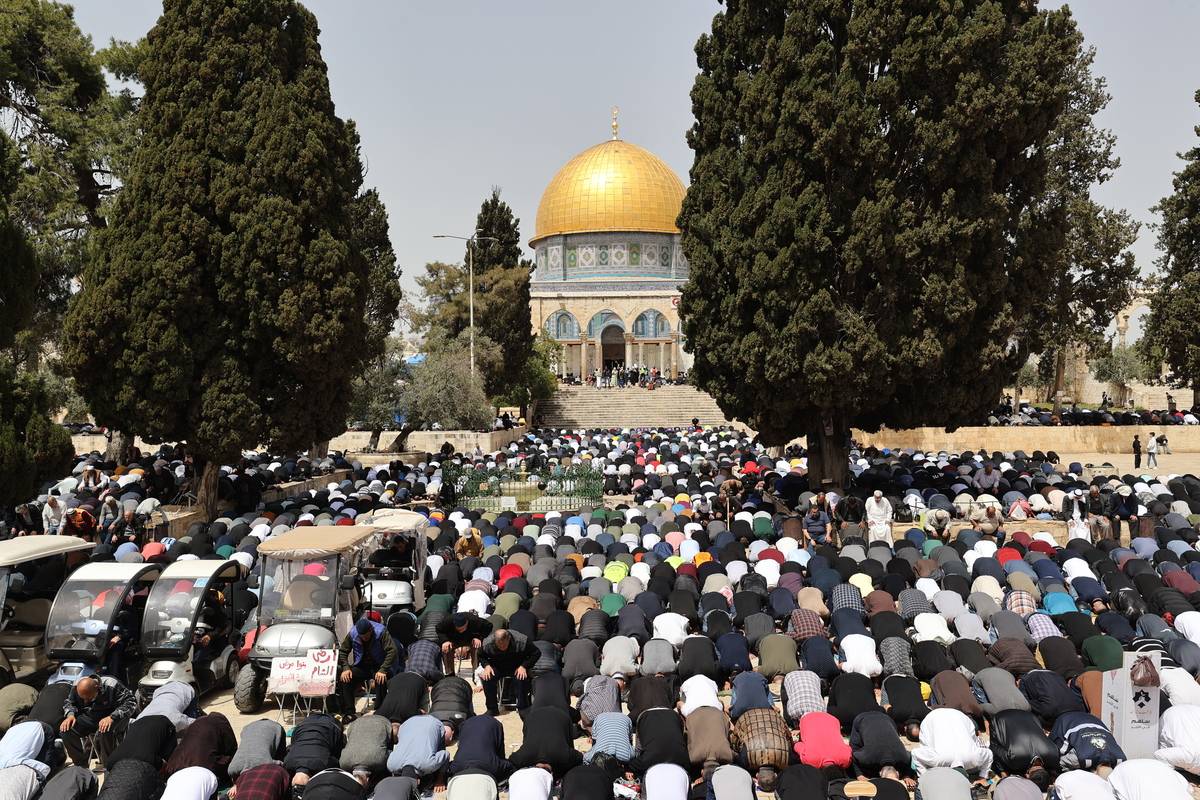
[190, 783]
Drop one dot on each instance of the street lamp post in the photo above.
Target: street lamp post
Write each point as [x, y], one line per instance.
[471, 242]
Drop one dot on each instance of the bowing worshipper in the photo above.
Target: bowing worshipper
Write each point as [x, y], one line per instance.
[856, 653]
[875, 746]
[420, 749]
[1079, 784]
[649, 691]
[586, 782]
[879, 515]
[665, 782]
[763, 745]
[1020, 747]
[821, 744]
[948, 739]
[208, 742]
[407, 695]
[601, 695]
[396, 788]
[1014, 787]
[262, 742]
[660, 740]
[1179, 738]
[366, 654]
[460, 635]
[800, 782]
[904, 703]
[481, 747]
[316, 745]
[99, 707]
[337, 784]
[424, 659]
[997, 691]
[27, 758]
[619, 656]
[1147, 779]
[71, 783]
[190, 783]
[943, 783]
[150, 740]
[749, 691]
[450, 700]
[612, 737]
[269, 781]
[1049, 695]
[707, 733]
[1084, 743]
[546, 739]
[176, 701]
[368, 740]
[472, 786]
[851, 694]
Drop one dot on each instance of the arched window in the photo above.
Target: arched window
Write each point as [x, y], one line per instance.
[562, 325]
[651, 324]
[602, 320]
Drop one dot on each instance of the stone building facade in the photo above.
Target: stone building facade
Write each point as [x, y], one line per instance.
[608, 261]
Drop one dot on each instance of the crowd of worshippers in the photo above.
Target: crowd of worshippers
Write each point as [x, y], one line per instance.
[706, 643]
[1010, 413]
[112, 504]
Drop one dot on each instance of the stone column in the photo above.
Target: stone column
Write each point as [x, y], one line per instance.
[662, 357]
[628, 350]
[599, 352]
[641, 354]
[674, 356]
[583, 357]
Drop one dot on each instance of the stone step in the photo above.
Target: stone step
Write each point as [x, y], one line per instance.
[667, 406]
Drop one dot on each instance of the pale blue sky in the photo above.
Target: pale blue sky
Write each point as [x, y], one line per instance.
[455, 96]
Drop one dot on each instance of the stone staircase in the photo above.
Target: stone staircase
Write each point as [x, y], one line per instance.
[666, 406]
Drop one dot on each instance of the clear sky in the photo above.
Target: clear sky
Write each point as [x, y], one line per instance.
[456, 96]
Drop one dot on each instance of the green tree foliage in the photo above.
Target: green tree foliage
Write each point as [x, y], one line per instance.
[226, 304]
[377, 393]
[866, 214]
[33, 449]
[67, 127]
[19, 268]
[1121, 365]
[501, 294]
[536, 379]
[1085, 284]
[442, 391]
[370, 226]
[1170, 331]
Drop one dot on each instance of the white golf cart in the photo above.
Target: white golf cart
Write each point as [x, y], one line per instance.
[86, 610]
[309, 592]
[25, 614]
[400, 587]
[174, 626]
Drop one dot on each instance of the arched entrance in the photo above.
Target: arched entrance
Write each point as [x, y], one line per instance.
[612, 347]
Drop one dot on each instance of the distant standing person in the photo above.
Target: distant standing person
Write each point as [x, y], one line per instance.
[1137, 452]
[1151, 451]
[1164, 444]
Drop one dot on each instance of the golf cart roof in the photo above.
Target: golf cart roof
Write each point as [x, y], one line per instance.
[194, 568]
[30, 548]
[397, 520]
[318, 541]
[116, 572]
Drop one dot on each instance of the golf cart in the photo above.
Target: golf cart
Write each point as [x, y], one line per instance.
[174, 624]
[27, 604]
[309, 594]
[85, 616]
[393, 587]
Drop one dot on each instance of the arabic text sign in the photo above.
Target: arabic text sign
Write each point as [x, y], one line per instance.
[311, 675]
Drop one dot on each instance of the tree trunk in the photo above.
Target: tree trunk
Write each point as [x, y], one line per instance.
[318, 450]
[208, 475]
[120, 447]
[373, 442]
[1060, 373]
[828, 441]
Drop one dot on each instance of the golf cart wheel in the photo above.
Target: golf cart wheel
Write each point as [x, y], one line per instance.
[232, 672]
[250, 691]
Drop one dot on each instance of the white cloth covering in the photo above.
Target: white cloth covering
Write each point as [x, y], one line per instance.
[531, 783]
[1147, 779]
[1179, 738]
[948, 740]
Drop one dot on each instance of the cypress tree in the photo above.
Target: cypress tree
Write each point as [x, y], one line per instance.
[866, 211]
[1171, 335]
[226, 306]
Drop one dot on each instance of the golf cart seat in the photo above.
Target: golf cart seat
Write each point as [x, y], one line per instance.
[28, 624]
[302, 593]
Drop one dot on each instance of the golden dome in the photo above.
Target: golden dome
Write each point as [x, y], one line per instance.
[614, 186]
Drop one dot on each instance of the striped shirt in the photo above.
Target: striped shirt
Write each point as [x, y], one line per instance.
[612, 733]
